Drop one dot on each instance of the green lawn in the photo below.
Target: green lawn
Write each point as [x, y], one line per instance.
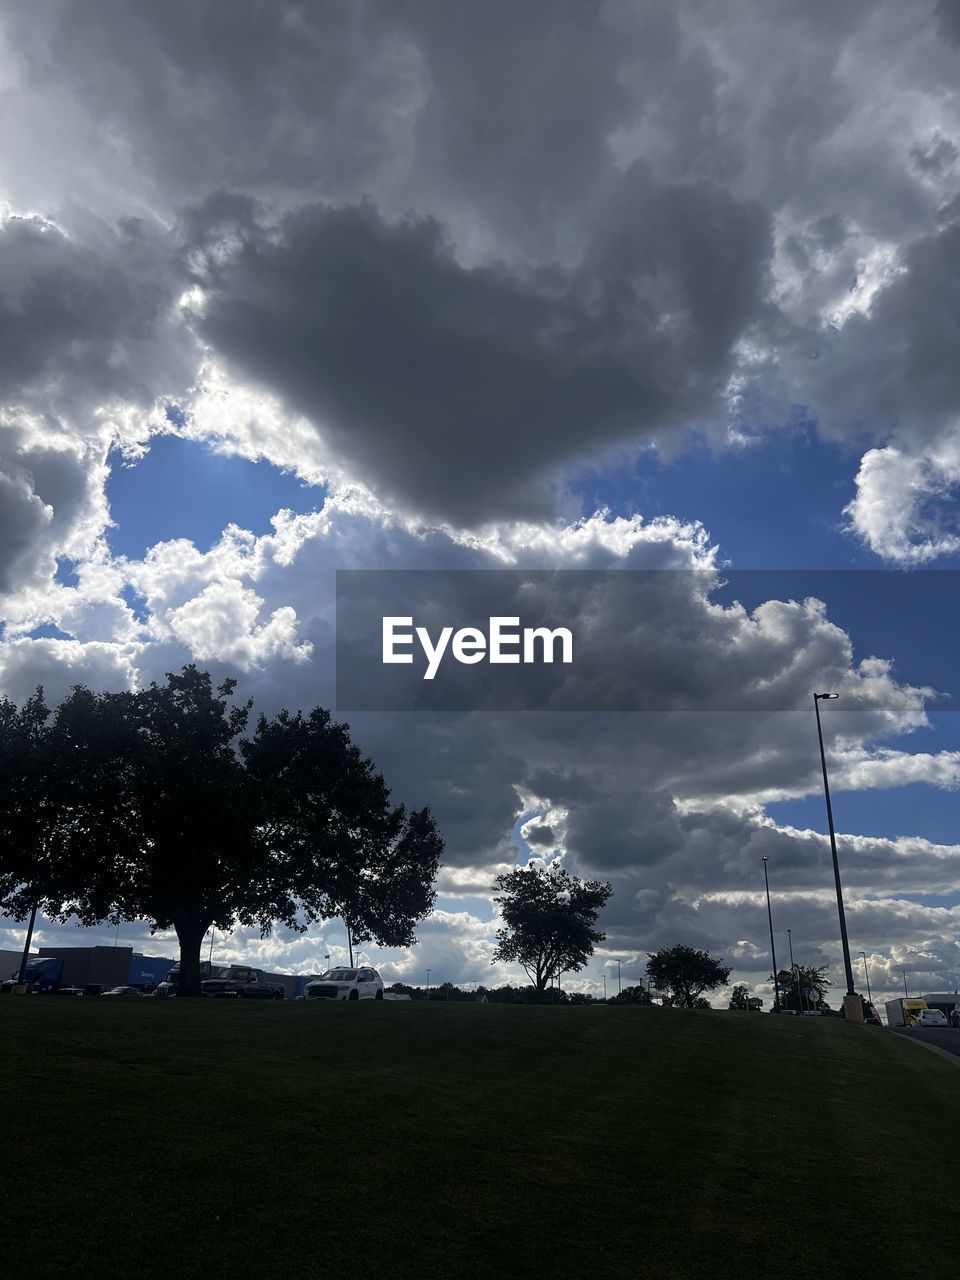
[407, 1141]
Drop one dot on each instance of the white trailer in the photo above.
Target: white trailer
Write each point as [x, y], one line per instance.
[902, 1012]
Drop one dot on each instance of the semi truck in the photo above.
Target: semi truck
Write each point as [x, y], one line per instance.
[902, 1012]
[42, 975]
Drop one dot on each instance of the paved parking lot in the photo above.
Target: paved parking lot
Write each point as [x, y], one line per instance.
[943, 1037]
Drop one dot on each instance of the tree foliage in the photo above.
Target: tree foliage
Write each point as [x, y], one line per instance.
[739, 997]
[686, 973]
[549, 920]
[814, 979]
[151, 805]
[632, 995]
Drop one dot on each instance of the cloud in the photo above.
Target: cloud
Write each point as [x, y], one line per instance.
[452, 391]
[438, 258]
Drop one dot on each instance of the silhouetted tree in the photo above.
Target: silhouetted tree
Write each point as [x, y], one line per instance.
[813, 979]
[632, 995]
[548, 921]
[739, 997]
[686, 973]
[165, 814]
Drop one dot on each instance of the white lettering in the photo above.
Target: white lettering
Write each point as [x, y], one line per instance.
[532, 634]
[433, 654]
[391, 640]
[470, 645]
[498, 638]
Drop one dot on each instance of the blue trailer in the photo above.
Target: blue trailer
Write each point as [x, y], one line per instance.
[41, 975]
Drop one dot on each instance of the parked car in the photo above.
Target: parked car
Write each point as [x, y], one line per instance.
[872, 1017]
[124, 991]
[931, 1018]
[240, 982]
[346, 984]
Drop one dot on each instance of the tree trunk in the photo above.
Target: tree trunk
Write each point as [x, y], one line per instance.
[190, 934]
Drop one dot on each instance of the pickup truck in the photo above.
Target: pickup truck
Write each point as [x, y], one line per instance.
[239, 982]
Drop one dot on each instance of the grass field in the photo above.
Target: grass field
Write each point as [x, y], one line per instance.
[399, 1141]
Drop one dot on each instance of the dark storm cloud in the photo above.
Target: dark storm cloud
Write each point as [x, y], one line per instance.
[453, 390]
[86, 330]
[948, 16]
[894, 368]
[80, 315]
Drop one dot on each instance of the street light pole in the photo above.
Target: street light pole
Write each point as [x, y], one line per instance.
[905, 991]
[847, 968]
[796, 973]
[25, 958]
[866, 974]
[428, 983]
[619, 983]
[773, 950]
[604, 976]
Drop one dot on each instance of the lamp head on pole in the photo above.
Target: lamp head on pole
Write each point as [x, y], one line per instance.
[826, 695]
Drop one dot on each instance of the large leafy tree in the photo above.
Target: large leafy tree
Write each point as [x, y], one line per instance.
[686, 973]
[164, 812]
[549, 920]
[809, 980]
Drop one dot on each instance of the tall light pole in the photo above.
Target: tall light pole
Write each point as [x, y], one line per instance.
[795, 971]
[866, 974]
[905, 991]
[847, 968]
[25, 958]
[604, 976]
[619, 983]
[773, 950]
[428, 983]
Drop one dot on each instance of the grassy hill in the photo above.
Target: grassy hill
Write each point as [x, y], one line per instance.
[179, 1139]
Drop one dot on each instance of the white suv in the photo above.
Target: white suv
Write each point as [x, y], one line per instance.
[931, 1018]
[346, 984]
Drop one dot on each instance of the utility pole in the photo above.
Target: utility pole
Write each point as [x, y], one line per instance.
[847, 968]
[25, 958]
[773, 950]
[796, 973]
[866, 974]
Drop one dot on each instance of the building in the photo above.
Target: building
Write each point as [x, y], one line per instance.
[92, 966]
[10, 963]
[945, 1001]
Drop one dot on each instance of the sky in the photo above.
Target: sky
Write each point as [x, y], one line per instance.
[291, 288]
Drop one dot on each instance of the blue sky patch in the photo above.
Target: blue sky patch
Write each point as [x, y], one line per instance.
[183, 489]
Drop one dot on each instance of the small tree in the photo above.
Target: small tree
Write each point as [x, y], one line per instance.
[687, 974]
[548, 921]
[739, 997]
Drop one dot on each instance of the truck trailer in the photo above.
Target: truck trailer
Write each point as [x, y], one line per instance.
[903, 1012]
